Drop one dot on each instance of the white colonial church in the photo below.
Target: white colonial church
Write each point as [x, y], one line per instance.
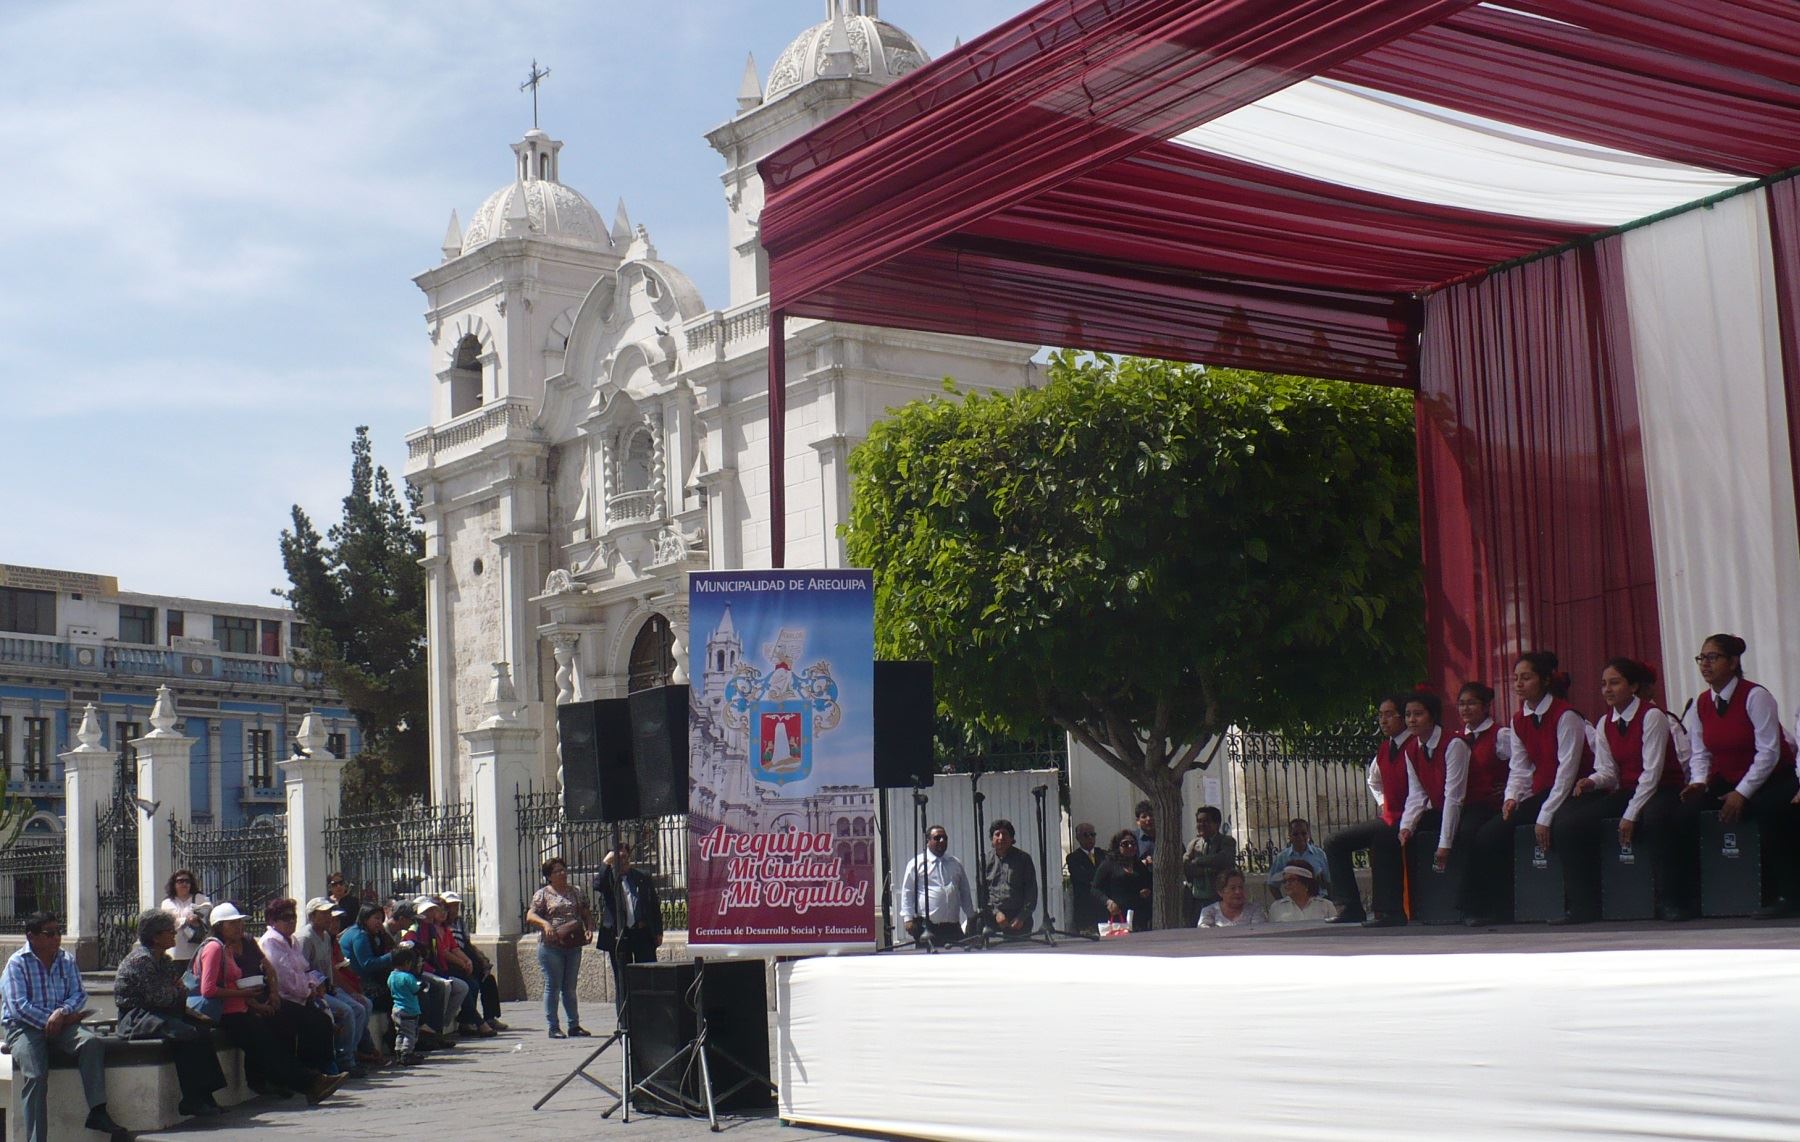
[597, 431]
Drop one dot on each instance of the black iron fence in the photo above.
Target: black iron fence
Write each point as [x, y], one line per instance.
[404, 852]
[1321, 776]
[247, 866]
[32, 879]
[659, 848]
[116, 871]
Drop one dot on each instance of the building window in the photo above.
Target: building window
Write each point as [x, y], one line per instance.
[27, 612]
[262, 758]
[124, 733]
[235, 635]
[271, 638]
[137, 624]
[652, 656]
[176, 622]
[337, 745]
[37, 749]
[465, 376]
[297, 635]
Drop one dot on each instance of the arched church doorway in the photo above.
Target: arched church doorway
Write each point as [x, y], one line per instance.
[652, 655]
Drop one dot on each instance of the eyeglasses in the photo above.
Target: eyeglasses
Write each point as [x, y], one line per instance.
[1128, 844]
[50, 933]
[183, 880]
[332, 884]
[1710, 657]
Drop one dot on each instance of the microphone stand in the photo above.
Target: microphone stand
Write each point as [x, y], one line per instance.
[887, 873]
[985, 933]
[1048, 931]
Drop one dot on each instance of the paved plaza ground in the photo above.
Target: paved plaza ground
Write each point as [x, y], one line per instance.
[482, 1090]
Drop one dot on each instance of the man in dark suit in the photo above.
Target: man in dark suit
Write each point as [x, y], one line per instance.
[635, 940]
[1080, 865]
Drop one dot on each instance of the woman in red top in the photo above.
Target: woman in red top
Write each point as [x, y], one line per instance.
[1635, 778]
[1391, 788]
[1741, 764]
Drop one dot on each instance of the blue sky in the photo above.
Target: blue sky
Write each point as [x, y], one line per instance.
[211, 213]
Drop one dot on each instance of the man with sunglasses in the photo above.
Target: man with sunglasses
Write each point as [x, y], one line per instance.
[935, 901]
[1081, 865]
[42, 1004]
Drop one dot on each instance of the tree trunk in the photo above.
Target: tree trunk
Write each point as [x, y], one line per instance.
[1169, 889]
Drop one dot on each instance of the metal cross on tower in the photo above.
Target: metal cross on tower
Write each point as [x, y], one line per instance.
[532, 81]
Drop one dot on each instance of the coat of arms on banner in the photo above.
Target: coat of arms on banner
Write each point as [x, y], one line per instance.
[781, 711]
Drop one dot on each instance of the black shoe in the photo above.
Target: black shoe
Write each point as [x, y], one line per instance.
[1385, 920]
[198, 1109]
[1479, 921]
[557, 1033]
[1347, 916]
[1568, 918]
[577, 1031]
[1780, 909]
[1675, 914]
[101, 1121]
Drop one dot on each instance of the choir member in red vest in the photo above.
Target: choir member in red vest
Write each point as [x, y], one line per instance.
[1440, 768]
[1549, 754]
[1490, 754]
[1392, 788]
[1742, 765]
[1635, 779]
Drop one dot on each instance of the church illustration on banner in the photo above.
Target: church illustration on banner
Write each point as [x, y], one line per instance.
[770, 717]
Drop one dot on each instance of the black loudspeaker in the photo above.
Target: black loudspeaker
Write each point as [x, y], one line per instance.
[659, 749]
[598, 781]
[1627, 883]
[1730, 867]
[662, 1022]
[1433, 893]
[1537, 880]
[905, 716]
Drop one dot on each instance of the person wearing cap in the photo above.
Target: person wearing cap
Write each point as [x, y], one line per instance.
[349, 1011]
[633, 936]
[246, 1016]
[426, 933]
[484, 982]
[457, 964]
[42, 1004]
[1299, 884]
[301, 997]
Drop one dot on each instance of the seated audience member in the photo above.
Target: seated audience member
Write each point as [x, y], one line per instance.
[445, 965]
[301, 1004]
[152, 1004]
[1233, 907]
[1208, 855]
[486, 985]
[42, 1003]
[1012, 887]
[349, 1010]
[1389, 785]
[436, 1015]
[247, 1016]
[1299, 848]
[403, 984]
[1081, 864]
[1297, 881]
[1122, 883]
[343, 901]
[935, 901]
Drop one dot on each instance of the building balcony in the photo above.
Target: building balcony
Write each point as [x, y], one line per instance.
[112, 660]
[508, 418]
[634, 507]
[273, 794]
[34, 787]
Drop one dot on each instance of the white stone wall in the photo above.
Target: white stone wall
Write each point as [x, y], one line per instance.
[475, 621]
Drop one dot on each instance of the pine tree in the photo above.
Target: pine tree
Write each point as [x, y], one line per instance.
[360, 591]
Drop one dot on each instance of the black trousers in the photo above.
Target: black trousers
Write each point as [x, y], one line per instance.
[1488, 885]
[1579, 832]
[942, 932]
[1462, 848]
[490, 997]
[268, 1050]
[636, 946]
[1387, 892]
[1771, 807]
[196, 1064]
[313, 1033]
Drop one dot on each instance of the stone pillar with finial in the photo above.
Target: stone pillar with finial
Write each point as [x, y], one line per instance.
[315, 786]
[164, 793]
[503, 749]
[87, 788]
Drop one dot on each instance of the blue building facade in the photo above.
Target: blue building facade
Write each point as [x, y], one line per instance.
[68, 639]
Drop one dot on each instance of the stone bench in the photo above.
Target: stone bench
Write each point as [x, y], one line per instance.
[142, 1092]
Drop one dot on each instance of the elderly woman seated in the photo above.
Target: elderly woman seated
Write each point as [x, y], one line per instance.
[1233, 907]
[153, 1005]
[1298, 884]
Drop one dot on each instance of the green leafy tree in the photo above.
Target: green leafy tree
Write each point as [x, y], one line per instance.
[1144, 554]
[360, 590]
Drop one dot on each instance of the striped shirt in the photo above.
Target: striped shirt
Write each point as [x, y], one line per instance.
[31, 993]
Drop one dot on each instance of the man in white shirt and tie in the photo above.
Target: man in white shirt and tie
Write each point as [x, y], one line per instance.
[935, 901]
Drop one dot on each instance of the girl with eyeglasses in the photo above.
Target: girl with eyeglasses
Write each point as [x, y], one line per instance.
[183, 900]
[1742, 764]
[1122, 882]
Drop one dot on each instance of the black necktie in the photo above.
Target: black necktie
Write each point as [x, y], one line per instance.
[1537, 720]
[1622, 724]
[1722, 704]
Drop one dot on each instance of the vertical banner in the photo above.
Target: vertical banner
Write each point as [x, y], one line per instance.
[781, 822]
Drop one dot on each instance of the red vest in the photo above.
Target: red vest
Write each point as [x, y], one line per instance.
[1487, 773]
[1628, 751]
[1731, 737]
[1539, 744]
[1432, 769]
[1391, 764]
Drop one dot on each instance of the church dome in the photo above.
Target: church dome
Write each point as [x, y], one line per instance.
[535, 205]
[879, 51]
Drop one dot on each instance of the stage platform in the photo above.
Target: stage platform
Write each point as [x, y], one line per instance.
[1631, 1030]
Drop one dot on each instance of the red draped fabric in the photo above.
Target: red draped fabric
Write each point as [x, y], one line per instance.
[1583, 84]
[1754, 36]
[1784, 235]
[1535, 517]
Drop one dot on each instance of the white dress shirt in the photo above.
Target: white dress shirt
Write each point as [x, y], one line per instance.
[1765, 718]
[1456, 786]
[1413, 791]
[947, 896]
[1571, 735]
[1657, 743]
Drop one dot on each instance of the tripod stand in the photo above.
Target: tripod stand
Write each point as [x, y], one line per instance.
[1049, 931]
[696, 1054]
[621, 1034]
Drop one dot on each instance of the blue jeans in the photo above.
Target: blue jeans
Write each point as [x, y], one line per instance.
[30, 1049]
[349, 1017]
[561, 968]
